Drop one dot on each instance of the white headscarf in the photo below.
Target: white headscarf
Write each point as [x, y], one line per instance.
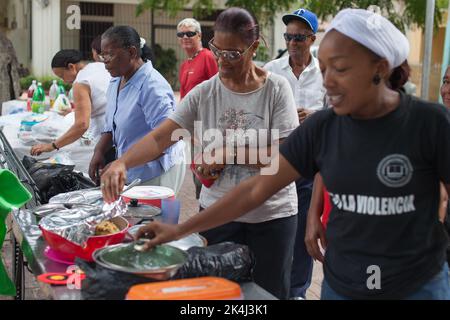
[374, 32]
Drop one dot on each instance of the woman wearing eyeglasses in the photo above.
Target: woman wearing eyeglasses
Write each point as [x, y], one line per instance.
[240, 101]
[139, 99]
[90, 82]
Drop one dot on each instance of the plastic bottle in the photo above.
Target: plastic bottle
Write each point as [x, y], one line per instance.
[38, 102]
[30, 93]
[53, 93]
[61, 90]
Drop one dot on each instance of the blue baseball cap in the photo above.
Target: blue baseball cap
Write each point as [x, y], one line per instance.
[303, 15]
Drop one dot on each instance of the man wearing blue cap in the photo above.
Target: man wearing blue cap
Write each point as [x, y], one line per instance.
[302, 71]
[300, 68]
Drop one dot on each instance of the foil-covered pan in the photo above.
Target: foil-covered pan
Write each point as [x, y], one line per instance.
[49, 208]
[78, 223]
[91, 196]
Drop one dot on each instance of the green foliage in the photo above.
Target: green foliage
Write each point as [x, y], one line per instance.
[46, 81]
[265, 10]
[166, 64]
[169, 6]
[25, 82]
[414, 12]
[442, 4]
[262, 54]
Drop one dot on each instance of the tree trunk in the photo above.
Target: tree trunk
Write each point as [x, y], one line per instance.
[9, 76]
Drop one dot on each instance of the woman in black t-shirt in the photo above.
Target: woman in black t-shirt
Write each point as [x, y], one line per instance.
[445, 203]
[382, 155]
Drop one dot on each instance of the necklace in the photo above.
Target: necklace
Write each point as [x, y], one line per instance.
[196, 54]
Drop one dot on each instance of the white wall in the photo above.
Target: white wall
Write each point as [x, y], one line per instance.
[278, 29]
[17, 12]
[45, 33]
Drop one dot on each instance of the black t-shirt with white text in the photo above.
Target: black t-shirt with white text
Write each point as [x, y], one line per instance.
[384, 237]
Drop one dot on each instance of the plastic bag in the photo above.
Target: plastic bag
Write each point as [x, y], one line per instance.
[104, 284]
[67, 182]
[52, 179]
[62, 104]
[227, 260]
[42, 174]
[60, 157]
[30, 120]
[49, 130]
[26, 138]
[25, 134]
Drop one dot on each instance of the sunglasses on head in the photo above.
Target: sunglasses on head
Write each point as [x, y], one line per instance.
[189, 34]
[230, 55]
[296, 37]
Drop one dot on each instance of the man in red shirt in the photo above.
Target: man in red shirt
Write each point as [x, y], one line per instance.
[201, 64]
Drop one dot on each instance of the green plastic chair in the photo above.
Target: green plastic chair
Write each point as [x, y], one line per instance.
[12, 195]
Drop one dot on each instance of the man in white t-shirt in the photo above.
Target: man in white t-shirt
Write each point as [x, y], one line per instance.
[302, 71]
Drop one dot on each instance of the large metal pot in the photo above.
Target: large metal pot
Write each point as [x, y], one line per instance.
[160, 263]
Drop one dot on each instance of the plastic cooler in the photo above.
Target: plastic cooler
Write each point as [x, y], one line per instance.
[152, 195]
[203, 288]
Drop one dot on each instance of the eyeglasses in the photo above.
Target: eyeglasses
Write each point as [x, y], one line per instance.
[230, 55]
[107, 56]
[296, 37]
[189, 34]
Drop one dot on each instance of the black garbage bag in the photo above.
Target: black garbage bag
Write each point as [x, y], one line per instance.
[66, 182]
[227, 260]
[52, 179]
[105, 284]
